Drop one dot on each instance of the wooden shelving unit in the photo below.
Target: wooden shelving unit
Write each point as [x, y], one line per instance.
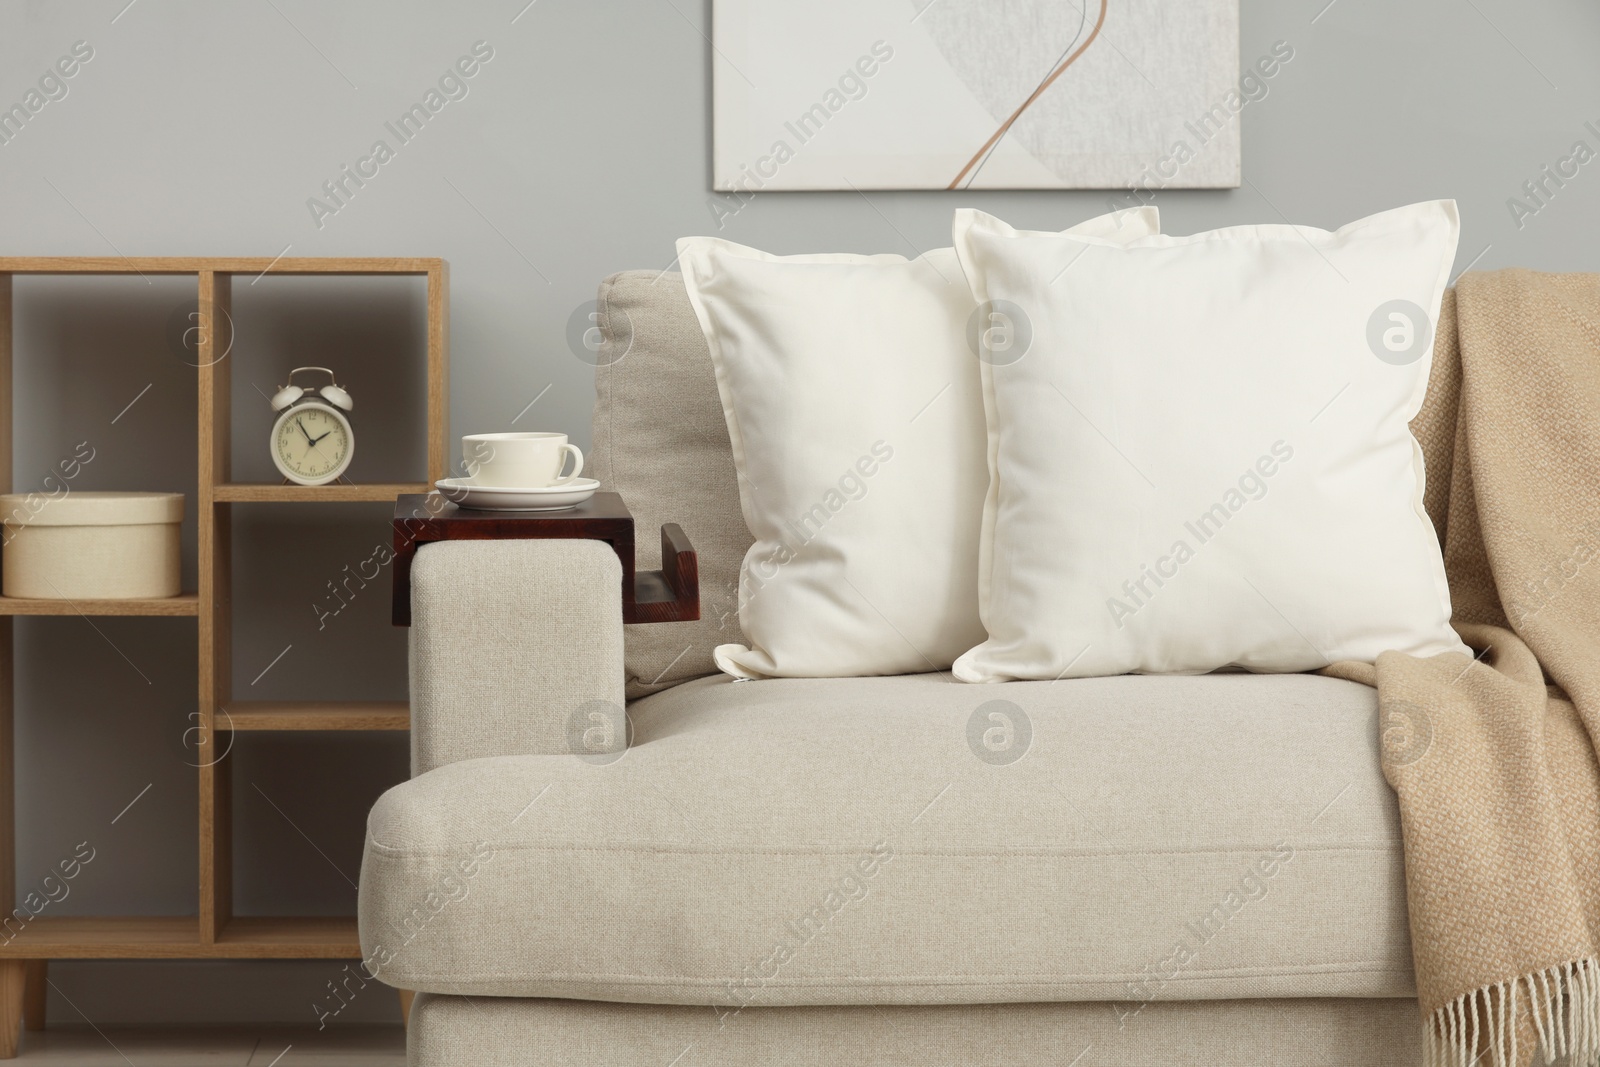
[214, 933]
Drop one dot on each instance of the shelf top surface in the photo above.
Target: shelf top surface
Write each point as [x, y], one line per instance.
[183, 604]
[221, 264]
[178, 937]
[338, 492]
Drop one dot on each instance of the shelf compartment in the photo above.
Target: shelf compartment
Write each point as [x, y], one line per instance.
[288, 937]
[316, 715]
[264, 493]
[183, 604]
[75, 937]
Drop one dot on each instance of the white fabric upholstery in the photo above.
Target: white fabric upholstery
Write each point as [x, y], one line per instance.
[493, 1032]
[512, 643]
[853, 823]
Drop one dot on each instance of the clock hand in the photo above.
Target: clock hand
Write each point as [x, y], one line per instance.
[314, 442]
[303, 432]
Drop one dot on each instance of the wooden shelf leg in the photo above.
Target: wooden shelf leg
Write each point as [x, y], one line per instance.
[406, 997]
[11, 986]
[34, 993]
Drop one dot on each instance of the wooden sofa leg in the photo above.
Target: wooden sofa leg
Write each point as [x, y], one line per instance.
[12, 980]
[34, 994]
[406, 996]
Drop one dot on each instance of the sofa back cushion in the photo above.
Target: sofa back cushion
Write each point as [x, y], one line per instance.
[659, 439]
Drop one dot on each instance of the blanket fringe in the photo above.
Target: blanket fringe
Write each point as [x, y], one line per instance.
[1481, 1026]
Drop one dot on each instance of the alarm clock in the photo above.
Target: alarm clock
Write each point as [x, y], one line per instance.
[312, 441]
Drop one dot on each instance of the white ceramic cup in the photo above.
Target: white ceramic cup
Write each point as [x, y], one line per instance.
[519, 460]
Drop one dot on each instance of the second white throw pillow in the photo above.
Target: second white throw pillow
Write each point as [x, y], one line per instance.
[1204, 456]
[855, 410]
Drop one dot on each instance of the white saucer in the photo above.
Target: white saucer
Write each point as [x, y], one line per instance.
[464, 494]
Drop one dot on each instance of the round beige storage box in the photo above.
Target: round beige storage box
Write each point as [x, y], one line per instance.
[92, 546]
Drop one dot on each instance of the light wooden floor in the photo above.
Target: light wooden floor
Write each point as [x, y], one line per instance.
[349, 1046]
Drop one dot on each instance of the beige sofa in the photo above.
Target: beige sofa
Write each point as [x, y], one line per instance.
[1176, 870]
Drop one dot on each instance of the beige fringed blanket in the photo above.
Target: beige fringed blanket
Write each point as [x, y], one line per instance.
[1494, 760]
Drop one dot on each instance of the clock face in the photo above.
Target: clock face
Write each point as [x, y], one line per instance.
[311, 444]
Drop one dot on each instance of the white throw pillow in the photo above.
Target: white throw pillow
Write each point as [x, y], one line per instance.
[1203, 453]
[855, 410]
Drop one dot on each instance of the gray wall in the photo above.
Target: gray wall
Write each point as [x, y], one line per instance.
[202, 128]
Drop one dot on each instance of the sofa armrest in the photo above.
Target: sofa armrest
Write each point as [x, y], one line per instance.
[516, 648]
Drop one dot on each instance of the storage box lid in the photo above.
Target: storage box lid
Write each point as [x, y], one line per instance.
[90, 509]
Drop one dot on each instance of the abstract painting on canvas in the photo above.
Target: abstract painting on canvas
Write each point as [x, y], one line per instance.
[982, 94]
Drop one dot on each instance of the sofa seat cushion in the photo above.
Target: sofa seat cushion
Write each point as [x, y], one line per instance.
[875, 841]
